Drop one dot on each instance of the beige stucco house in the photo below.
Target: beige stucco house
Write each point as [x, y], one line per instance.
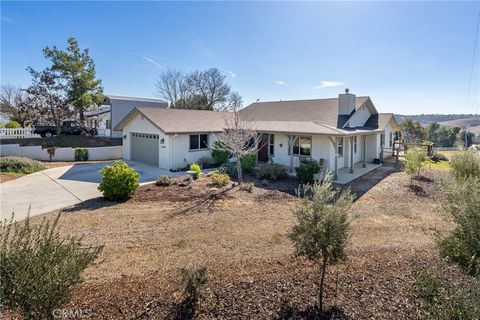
[344, 132]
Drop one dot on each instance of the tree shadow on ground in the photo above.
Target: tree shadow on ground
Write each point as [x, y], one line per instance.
[288, 312]
[90, 205]
[422, 179]
[418, 190]
[184, 310]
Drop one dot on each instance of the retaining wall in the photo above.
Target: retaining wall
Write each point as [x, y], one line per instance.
[61, 154]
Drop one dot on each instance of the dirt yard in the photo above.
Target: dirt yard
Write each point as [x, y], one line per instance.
[241, 238]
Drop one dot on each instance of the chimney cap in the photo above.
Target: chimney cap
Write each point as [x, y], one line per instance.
[347, 90]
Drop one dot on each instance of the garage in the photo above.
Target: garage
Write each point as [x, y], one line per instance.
[145, 148]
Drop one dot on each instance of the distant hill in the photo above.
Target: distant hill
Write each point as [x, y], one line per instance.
[426, 119]
[461, 123]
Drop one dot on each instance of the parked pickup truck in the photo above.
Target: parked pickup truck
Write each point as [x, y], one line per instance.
[67, 128]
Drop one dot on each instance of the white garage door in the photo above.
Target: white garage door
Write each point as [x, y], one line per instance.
[145, 148]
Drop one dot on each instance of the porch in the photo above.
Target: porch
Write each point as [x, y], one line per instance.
[344, 176]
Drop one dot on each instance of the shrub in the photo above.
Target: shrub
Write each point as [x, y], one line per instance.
[20, 165]
[247, 186]
[39, 268]
[81, 154]
[220, 179]
[464, 165]
[219, 155]
[307, 171]
[207, 162]
[12, 125]
[272, 171]
[195, 167]
[230, 169]
[323, 225]
[249, 162]
[119, 181]
[444, 300]
[462, 207]
[165, 181]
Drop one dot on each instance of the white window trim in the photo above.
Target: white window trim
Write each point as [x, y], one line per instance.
[301, 155]
[338, 147]
[199, 149]
[270, 144]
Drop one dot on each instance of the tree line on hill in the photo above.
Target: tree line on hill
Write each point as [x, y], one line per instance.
[426, 119]
[413, 131]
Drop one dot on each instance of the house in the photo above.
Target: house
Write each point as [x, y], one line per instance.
[114, 109]
[343, 133]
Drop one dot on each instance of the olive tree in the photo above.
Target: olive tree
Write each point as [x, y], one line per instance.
[414, 160]
[323, 224]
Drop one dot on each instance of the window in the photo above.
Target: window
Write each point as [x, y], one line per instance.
[198, 141]
[302, 146]
[340, 147]
[271, 145]
[108, 124]
[355, 144]
[391, 139]
[382, 139]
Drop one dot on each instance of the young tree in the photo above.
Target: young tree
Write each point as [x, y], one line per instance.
[16, 103]
[414, 160]
[323, 225]
[239, 138]
[77, 70]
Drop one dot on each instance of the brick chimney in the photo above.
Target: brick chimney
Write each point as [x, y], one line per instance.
[346, 103]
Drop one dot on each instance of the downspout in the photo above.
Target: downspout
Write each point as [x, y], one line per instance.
[334, 143]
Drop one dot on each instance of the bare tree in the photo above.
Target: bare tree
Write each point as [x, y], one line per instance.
[210, 84]
[206, 89]
[15, 103]
[239, 137]
[172, 86]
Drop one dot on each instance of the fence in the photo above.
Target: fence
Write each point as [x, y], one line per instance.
[7, 133]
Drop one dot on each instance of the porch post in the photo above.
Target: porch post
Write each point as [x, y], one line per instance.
[290, 150]
[365, 151]
[351, 154]
[334, 142]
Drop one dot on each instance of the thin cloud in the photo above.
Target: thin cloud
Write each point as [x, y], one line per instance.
[155, 63]
[329, 84]
[280, 82]
[232, 74]
[7, 19]
[202, 48]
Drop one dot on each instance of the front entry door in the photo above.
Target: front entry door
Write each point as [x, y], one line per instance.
[263, 148]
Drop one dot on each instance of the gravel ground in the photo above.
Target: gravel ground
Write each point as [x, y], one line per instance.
[241, 238]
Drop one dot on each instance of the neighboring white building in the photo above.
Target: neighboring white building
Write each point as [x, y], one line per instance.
[115, 108]
[337, 132]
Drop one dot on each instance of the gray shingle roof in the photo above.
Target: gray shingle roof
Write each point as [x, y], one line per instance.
[172, 121]
[324, 111]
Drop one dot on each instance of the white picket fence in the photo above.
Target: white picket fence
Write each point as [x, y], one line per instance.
[8, 133]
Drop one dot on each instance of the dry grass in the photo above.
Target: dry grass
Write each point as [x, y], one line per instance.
[9, 176]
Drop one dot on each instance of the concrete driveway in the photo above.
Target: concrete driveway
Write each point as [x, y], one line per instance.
[56, 188]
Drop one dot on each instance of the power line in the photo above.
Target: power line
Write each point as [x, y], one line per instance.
[473, 64]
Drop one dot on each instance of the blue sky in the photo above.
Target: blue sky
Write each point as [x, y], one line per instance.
[410, 57]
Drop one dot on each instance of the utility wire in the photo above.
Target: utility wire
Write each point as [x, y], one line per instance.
[473, 64]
